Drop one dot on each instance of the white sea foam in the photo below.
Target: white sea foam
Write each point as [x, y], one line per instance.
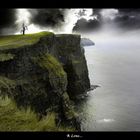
[105, 120]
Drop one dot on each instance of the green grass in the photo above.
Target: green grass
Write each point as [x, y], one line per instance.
[57, 75]
[13, 119]
[15, 41]
[6, 85]
[6, 56]
[49, 62]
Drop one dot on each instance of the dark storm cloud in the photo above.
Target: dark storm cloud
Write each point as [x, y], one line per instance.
[129, 10]
[128, 22]
[84, 25]
[7, 18]
[97, 12]
[128, 18]
[47, 17]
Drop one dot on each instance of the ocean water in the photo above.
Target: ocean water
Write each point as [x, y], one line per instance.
[114, 65]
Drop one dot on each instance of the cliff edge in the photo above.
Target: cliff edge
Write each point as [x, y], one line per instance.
[44, 71]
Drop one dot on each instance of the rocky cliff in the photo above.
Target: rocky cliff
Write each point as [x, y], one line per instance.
[44, 71]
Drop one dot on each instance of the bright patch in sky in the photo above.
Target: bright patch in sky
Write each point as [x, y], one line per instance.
[23, 16]
[109, 13]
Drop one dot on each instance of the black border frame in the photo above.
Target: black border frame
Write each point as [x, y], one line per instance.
[70, 4]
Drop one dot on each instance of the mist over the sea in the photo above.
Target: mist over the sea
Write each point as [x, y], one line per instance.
[114, 65]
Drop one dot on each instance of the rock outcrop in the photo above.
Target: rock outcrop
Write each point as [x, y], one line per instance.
[86, 42]
[44, 74]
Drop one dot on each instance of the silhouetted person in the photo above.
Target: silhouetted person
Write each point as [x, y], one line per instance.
[23, 29]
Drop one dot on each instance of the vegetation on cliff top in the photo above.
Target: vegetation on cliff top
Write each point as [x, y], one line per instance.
[13, 119]
[15, 41]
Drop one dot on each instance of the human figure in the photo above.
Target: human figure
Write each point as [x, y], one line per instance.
[23, 29]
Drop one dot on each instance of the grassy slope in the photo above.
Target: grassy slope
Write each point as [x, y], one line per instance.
[15, 41]
[13, 119]
[50, 63]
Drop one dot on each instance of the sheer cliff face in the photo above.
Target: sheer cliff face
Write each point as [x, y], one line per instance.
[45, 74]
[70, 53]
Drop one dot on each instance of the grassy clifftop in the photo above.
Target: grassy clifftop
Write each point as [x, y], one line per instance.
[15, 41]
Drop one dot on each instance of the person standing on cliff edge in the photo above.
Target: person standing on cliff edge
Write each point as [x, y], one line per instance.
[24, 27]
